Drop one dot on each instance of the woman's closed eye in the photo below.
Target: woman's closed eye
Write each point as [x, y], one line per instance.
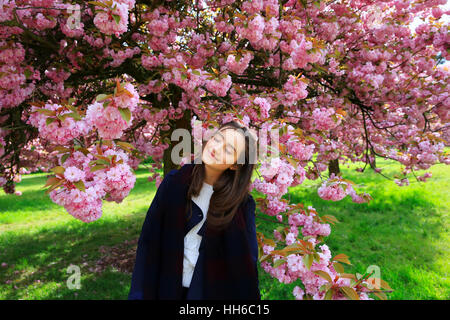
[218, 138]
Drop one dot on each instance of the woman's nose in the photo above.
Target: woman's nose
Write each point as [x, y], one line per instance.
[216, 150]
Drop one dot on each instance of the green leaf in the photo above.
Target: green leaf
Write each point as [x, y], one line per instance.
[311, 138]
[316, 257]
[125, 145]
[338, 267]
[308, 260]
[59, 170]
[102, 161]
[278, 263]
[324, 275]
[125, 113]
[102, 97]
[80, 185]
[49, 120]
[348, 276]
[98, 167]
[27, 73]
[116, 18]
[74, 115]
[329, 294]
[97, 3]
[64, 157]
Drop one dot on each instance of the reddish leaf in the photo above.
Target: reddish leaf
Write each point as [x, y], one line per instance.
[350, 293]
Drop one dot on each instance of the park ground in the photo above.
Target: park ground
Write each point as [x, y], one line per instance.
[403, 230]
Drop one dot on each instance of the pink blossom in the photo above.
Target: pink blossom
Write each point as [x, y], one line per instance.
[220, 87]
[298, 293]
[331, 192]
[74, 174]
[264, 106]
[107, 24]
[60, 132]
[323, 120]
[236, 66]
[294, 90]
[108, 121]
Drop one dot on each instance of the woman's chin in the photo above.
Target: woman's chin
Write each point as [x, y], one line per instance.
[207, 160]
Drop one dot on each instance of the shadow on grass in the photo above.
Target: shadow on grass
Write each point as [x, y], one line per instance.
[50, 252]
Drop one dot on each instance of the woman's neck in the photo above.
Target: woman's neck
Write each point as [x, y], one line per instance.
[212, 175]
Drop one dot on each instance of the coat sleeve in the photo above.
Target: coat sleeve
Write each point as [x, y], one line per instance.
[251, 230]
[144, 280]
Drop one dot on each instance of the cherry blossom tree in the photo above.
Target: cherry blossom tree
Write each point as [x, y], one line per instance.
[88, 90]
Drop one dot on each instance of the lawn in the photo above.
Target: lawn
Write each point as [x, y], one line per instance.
[403, 231]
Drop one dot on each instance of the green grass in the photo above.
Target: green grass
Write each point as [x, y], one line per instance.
[403, 230]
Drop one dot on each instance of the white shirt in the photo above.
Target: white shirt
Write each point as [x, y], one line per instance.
[192, 239]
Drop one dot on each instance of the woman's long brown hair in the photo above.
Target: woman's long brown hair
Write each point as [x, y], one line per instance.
[231, 189]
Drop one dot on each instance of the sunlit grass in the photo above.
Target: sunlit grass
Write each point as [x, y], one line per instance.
[404, 231]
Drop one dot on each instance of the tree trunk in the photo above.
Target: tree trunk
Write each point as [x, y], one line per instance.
[373, 164]
[333, 167]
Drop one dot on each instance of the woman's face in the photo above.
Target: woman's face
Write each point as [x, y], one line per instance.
[223, 149]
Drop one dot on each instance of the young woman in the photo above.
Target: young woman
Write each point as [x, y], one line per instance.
[198, 240]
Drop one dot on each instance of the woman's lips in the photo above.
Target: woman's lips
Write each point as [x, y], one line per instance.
[212, 155]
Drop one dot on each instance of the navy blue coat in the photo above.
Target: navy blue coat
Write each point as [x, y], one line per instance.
[227, 263]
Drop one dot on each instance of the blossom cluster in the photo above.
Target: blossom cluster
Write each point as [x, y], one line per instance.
[294, 90]
[295, 268]
[60, 127]
[112, 183]
[107, 115]
[14, 88]
[323, 120]
[334, 189]
[238, 65]
[113, 19]
[278, 175]
[220, 87]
